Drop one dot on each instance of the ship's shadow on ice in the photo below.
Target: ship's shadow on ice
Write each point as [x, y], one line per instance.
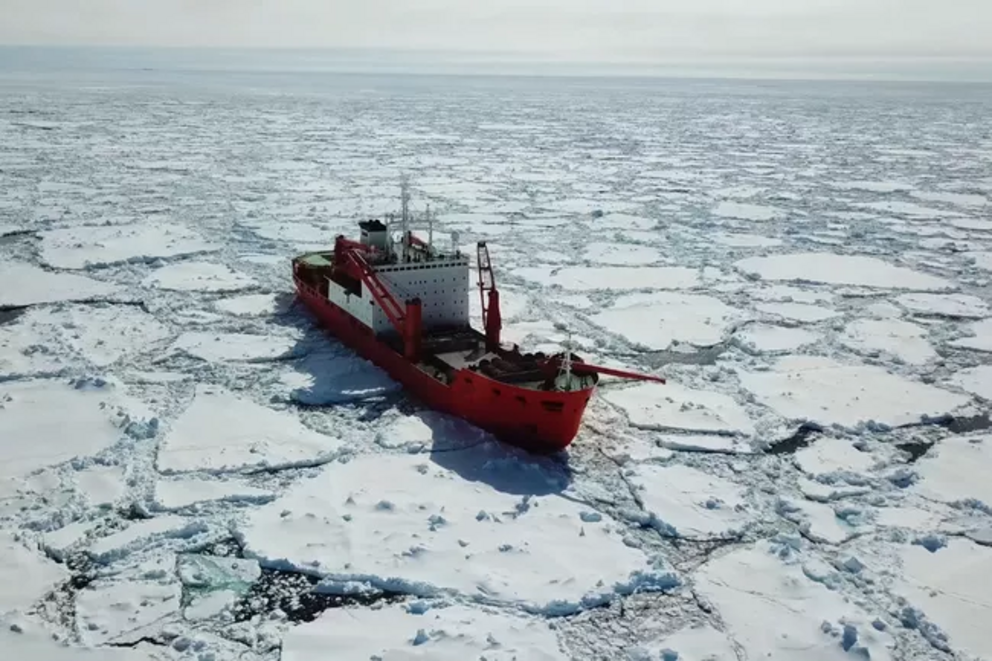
[476, 456]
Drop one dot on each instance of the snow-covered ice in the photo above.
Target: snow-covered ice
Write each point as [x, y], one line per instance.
[446, 633]
[976, 380]
[224, 432]
[956, 470]
[574, 278]
[657, 320]
[406, 523]
[198, 276]
[834, 269]
[827, 392]
[214, 347]
[25, 574]
[978, 336]
[673, 406]
[902, 339]
[82, 247]
[948, 305]
[764, 338]
[27, 284]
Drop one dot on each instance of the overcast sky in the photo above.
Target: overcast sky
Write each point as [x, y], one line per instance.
[585, 30]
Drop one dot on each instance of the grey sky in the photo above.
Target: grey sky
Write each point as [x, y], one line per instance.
[585, 30]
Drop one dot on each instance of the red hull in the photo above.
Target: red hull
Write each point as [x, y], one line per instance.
[536, 420]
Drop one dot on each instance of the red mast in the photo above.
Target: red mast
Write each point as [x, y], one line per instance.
[489, 297]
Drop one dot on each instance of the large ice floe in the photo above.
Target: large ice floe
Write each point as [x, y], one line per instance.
[409, 524]
[840, 270]
[223, 432]
[657, 320]
[35, 285]
[827, 392]
[82, 247]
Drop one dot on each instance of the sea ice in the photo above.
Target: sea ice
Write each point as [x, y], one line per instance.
[980, 338]
[198, 276]
[976, 380]
[962, 306]
[659, 319]
[140, 533]
[23, 352]
[221, 347]
[829, 455]
[108, 610]
[405, 523]
[621, 254]
[576, 278]
[835, 269]
[746, 240]
[253, 305]
[957, 470]
[102, 334]
[179, 493]
[744, 211]
[222, 432]
[821, 390]
[983, 260]
[400, 631]
[899, 338]
[102, 486]
[948, 587]
[26, 284]
[31, 437]
[673, 406]
[330, 376]
[772, 609]
[688, 503]
[800, 312]
[25, 574]
[763, 338]
[31, 644]
[82, 247]
[698, 643]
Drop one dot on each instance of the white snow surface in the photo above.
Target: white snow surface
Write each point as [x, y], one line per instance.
[452, 633]
[167, 407]
[834, 269]
[422, 527]
[827, 392]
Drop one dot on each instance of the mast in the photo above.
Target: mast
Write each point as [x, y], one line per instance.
[430, 233]
[405, 220]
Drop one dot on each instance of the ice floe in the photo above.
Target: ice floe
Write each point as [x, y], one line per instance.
[944, 586]
[253, 305]
[331, 376]
[673, 406]
[35, 286]
[122, 611]
[621, 254]
[688, 503]
[198, 276]
[697, 643]
[216, 347]
[801, 312]
[420, 631]
[824, 391]
[659, 319]
[746, 240]
[82, 247]
[224, 432]
[836, 269]
[612, 277]
[901, 339]
[976, 380]
[744, 211]
[183, 492]
[962, 306]
[831, 455]
[25, 574]
[956, 470]
[979, 337]
[91, 417]
[764, 338]
[404, 523]
[771, 608]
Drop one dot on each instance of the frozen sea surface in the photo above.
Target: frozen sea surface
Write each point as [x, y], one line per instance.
[190, 471]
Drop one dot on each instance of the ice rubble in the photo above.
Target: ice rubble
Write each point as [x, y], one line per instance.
[824, 391]
[32, 438]
[221, 347]
[902, 339]
[82, 247]
[23, 353]
[404, 523]
[746, 240]
[773, 610]
[420, 631]
[948, 587]
[962, 306]
[198, 276]
[674, 406]
[658, 319]
[744, 211]
[574, 278]
[224, 432]
[687, 503]
[35, 286]
[830, 268]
